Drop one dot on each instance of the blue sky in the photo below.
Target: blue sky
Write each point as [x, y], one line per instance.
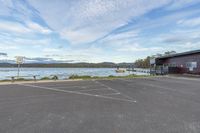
[96, 30]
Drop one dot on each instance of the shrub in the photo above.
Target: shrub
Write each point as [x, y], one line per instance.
[111, 76]
[73, 76]
[79, 77]
[19, 79]
[55, 77]
[45, 78]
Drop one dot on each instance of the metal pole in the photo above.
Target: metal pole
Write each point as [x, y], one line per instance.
[18, 70]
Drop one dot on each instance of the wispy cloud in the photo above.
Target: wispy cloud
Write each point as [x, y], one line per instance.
[87, 20]
[190, 22]
[29, 27]
[38, 28]
[178, 4]
[97, 30]
[2, 47]
[50, 50]
[13, 27]
[45, 60]
[137, 48]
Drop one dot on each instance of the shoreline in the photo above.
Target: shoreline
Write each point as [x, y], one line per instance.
[85, 78]
[75, 78]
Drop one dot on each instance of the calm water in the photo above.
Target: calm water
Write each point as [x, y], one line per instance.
[62, 73]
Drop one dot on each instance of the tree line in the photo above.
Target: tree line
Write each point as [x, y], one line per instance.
[145, 63]
[70, 65]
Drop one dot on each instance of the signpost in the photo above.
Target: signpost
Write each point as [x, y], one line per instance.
[19, 61]
[152, 65]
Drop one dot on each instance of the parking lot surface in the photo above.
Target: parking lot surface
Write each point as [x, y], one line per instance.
[140, 105]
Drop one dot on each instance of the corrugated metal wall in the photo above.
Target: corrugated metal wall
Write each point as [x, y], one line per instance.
[181, 63]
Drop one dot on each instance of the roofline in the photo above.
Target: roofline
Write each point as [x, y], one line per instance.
[180, 54]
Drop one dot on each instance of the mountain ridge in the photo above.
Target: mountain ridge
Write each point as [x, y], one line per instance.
[69, 65]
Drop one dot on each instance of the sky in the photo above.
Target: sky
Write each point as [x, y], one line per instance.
[70, 31]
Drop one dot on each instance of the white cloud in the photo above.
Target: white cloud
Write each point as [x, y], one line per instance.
[138, 48]
[179, 40]
[78, 36]
[177, 4]
[87, 20]
[190, 22]
[181, 36]
[20, 41]
[25, 46]
[8, 47]
[122, 36]
[33, 42]
[15, 27]
[189, 45]
[38, 28]
[5, 6]
[90, 54]
[50, 50]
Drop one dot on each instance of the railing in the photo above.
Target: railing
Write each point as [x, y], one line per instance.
[142, 70]
[15, 78]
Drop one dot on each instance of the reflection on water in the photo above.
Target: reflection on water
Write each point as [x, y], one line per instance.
[62, 73]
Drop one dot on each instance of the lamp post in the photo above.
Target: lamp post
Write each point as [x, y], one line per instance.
[19, 61]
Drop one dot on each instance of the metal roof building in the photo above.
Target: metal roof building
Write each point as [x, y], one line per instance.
[186, 62]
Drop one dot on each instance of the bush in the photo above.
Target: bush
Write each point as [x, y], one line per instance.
[79, 77]
[20, 79]
[55, 77]
[73, 76]
[45, 78]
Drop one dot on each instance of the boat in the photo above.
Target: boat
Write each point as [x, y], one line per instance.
[120, 71]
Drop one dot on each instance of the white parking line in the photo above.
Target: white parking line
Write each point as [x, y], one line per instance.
[79, 93]
[73, 86]
[93, 89]
[111, 94]
[114, 90]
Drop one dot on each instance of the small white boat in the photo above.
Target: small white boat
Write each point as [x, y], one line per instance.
[120, 70]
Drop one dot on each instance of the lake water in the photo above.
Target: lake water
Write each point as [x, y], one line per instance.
[62, 73]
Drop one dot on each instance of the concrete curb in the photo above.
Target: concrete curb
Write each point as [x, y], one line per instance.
[68, 80]
[38, 81]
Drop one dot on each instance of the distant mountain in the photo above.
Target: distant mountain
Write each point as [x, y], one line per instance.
[76, 65]
[6, 65]
[125, 64]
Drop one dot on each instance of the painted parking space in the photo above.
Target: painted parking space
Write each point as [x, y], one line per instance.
[121, 105]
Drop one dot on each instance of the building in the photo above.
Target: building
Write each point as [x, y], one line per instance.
[187, 62]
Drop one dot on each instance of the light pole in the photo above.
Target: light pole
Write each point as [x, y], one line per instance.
[19, 61]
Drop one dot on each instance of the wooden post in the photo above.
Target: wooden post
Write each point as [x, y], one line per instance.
[34, 77]
[12, 79]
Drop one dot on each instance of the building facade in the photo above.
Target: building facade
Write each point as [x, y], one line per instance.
[187, 62]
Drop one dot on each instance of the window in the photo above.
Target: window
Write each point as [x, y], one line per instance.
[191, 65]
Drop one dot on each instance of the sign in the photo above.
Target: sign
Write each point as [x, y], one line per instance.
[191, 65]
[152, 61]
[19, 59]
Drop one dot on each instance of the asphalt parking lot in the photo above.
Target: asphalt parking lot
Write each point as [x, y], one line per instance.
[146, 105]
